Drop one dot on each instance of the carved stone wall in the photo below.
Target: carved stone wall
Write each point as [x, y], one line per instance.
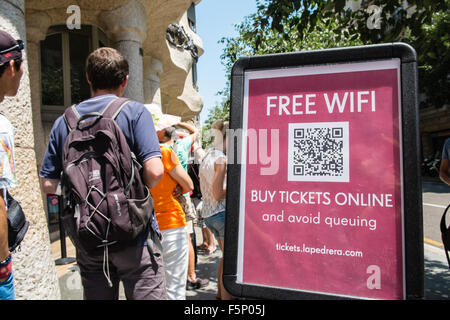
[34, 268]
[159, 73]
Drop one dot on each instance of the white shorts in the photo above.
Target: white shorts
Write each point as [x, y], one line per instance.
[175, 260]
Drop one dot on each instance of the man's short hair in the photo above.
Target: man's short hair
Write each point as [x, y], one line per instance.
[106, 69]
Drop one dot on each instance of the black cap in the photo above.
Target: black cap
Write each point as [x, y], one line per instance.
[10, 49]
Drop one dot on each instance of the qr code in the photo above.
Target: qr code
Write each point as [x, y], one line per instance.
[319, 152]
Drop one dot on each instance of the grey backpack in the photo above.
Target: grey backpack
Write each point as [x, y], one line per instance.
[108, 204]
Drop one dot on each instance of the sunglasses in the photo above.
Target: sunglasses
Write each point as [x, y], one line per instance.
[18, 47]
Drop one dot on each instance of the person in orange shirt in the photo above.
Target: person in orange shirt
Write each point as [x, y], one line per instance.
[171, 218]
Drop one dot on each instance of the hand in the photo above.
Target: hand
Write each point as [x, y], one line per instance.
[177, 192]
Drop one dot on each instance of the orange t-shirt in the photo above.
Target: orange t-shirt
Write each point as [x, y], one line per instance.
[168, 210]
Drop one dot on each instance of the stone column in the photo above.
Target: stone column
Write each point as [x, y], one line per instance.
[34, 268]
[37, 26]
[152, 88]
[126, 26]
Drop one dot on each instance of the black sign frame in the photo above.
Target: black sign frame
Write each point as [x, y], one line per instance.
[412, 192]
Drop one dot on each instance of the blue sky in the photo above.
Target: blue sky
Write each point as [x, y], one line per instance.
[216, 19]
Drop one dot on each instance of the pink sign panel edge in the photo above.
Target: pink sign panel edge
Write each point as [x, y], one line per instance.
[304, 71]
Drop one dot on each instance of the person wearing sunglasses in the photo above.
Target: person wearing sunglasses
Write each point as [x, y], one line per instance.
[10, 74]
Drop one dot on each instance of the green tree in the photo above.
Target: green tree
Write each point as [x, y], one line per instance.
[256, 37]
[255, 40]
[434, 60]
[424, 24]
[220, 111]
[374, 20]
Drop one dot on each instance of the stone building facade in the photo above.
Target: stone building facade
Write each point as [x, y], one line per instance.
[434, 129]
[58, 35]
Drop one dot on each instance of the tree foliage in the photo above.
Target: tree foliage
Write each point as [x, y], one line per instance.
[220, 111]
[434, 60]
[424, 24]
[374, 20]
[253, 40]
[249, 42]
[294, 25]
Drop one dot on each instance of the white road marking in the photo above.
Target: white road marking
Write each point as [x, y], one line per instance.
[434, 205]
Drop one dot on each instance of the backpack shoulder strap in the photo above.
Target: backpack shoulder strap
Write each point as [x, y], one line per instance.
[71, 117]
[114, 108]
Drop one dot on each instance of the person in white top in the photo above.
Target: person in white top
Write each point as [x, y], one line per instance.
[11, 71]
[212, 174]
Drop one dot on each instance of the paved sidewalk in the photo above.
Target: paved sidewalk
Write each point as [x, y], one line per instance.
[70, 281]
[437, 274]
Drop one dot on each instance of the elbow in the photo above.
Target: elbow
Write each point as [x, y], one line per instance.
[188, 187]
[153, 172]
[158, 173]
[156, 176]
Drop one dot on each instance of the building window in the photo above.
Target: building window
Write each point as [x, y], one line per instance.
[52, 70]
[63, 75]
[191, 17]
[194, 75]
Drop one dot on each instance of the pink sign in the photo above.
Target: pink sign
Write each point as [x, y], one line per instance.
[322, 211]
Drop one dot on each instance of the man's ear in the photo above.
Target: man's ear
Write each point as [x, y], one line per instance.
[123, 86]
[125, 82]
[11, 70]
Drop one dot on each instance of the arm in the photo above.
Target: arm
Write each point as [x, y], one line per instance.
[153, 171]
[181, 176]
[220, 169]
[445, 171]
[51, 169]
[4, 247]
[199, 153]
[192, 130]
[146, 147]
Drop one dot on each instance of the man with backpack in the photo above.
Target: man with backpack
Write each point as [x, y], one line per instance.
[108, 153]
[10, 74]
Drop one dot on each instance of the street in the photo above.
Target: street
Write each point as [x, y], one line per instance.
[435, 197]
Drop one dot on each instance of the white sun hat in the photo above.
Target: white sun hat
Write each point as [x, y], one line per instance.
[160, 119]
